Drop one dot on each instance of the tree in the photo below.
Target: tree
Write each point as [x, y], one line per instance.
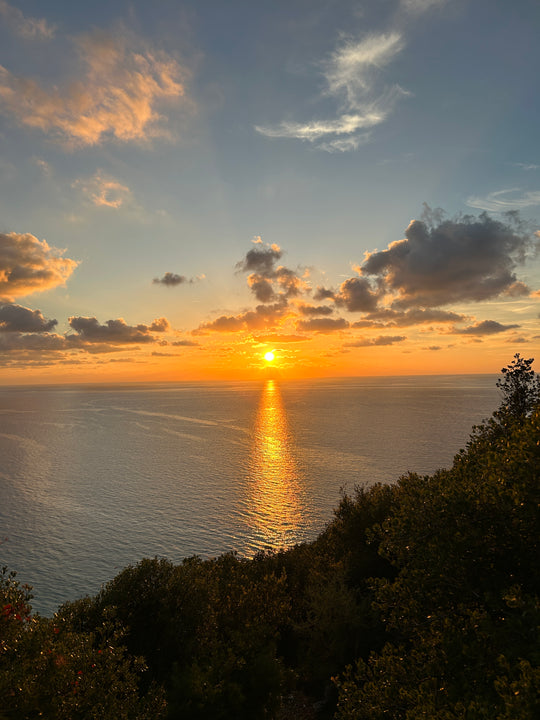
[50, 669]
[463, 612]
[520, 387]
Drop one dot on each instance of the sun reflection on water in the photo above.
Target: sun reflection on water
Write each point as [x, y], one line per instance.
[274, 503]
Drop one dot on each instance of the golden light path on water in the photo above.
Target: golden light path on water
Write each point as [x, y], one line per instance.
[275, 506]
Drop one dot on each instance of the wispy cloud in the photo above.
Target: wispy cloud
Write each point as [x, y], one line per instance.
[351, 77]
[503, 200]
[527, 166]
[420, 6]
[29, 28]
[104, 191]
[120, 84]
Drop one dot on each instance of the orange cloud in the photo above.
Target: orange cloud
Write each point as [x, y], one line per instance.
[104, 191]
[116, 96]
[29, 265]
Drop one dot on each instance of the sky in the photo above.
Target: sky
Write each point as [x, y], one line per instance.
[187, 185]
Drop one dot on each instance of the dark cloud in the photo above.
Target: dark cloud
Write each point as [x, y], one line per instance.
[465, 259]
[322, 293]
[314, 310]
[406, 318]
[185, 343]
[323, 325]
[261, 260]
[378, 341]
[268, 281]
[158, 325]
[355, 294]
[171, 280]
[262, 288]
[42, 342]
[16, 318]
[289, 283]
[486, 327]
[29, 265]
[115, 332]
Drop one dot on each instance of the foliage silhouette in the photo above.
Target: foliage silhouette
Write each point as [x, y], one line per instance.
[419, 599]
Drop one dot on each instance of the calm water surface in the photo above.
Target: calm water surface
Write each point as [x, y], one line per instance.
[94, 478]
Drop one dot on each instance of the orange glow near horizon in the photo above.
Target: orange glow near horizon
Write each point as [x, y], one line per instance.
[242, 356]
[274, 491]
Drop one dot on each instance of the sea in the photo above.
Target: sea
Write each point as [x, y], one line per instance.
[94, 478]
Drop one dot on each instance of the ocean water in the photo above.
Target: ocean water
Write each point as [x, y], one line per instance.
[93, 478]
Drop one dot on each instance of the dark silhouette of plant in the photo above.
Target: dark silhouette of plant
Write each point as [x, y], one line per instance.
[520, 387]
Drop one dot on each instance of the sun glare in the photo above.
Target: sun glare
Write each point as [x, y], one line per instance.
[269, 356]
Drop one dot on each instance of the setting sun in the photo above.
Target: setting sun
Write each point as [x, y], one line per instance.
[269, 356]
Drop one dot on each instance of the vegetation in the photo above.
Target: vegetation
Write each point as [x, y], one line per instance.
[420, 599]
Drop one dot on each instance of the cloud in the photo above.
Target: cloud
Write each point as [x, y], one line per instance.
[350, 74]
[263, 317]
[355, 294]
[16, 318]
[184, 343]
[104, 191]
[322, 293]
[276, 338]
[270, 282]
[120, 86]
[224, 323]
[486, 327]
[351, 68]
[527, 166]
[380, 341]
[460, 260]
[28, 28]
[323, 325]
[311, 310]
[420, 6]
[261, 287]
[116, 332]
[158, 325]
[344, 144]
[171, 280]
[29, 265]
[261, 260]
[33, 342]
[387, 317]
[502, 200]
[517, 289]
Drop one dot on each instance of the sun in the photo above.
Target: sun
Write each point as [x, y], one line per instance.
[269, 356]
